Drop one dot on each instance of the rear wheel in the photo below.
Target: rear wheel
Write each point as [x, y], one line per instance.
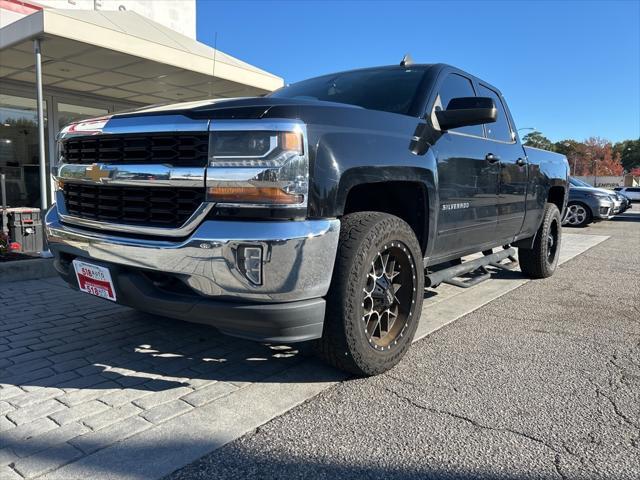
[541, 260]
[578, 215]
[375, 298]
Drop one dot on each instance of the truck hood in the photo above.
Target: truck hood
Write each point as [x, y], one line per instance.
[234, 108]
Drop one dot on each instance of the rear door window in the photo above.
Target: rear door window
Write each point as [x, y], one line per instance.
[500, 129]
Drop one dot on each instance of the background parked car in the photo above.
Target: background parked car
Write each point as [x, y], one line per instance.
[587, 204]
[626, 202]
[632, 193]
[621, 202]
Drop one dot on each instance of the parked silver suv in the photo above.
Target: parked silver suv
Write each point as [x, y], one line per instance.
[588, 204]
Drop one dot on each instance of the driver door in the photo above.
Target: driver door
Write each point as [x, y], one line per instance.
[467, 179]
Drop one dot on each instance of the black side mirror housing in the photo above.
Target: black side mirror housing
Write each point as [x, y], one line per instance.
[465, 111]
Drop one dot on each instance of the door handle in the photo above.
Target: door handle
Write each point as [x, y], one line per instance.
[491, 158]
[521, 162]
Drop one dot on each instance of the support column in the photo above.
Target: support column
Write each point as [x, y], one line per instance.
[44, 175]
[41, 136]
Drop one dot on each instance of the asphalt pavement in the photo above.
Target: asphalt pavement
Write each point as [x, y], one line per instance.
[543, 382]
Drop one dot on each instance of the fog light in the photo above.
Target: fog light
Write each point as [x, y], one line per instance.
[250, 263]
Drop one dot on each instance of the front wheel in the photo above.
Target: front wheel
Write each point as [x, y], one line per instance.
[541, 260]
[578, 215]
[375, 298]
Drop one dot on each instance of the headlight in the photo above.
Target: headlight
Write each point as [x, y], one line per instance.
[258, 163]
[599, 195]
[254, 149]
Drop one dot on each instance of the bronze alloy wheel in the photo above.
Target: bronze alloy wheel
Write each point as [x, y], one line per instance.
[388, 296]
[375, 299]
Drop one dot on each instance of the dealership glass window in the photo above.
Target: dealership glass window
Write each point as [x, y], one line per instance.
[68, 113]
[19, 157]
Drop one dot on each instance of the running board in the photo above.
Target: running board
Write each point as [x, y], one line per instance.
[477, 266]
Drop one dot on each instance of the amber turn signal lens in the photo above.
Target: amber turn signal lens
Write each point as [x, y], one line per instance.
[291, 141]
[266, 195]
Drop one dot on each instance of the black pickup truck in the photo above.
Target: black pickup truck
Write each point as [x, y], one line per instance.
[319, 212]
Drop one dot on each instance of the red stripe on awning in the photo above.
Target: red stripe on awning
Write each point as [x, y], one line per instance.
[19, 6]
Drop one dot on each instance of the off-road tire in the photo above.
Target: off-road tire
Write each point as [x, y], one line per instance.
[345, 343]
[541, 260]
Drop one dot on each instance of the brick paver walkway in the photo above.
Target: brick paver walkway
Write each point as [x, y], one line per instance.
[78, 374]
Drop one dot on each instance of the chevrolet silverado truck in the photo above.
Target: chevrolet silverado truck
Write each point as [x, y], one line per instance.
[317, 213]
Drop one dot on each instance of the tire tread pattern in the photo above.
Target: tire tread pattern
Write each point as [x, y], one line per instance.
[533, 262]
[340, 345]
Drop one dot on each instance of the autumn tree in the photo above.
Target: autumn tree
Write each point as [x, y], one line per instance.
[601, 157]
[593, 156]
[575, 153]
[538, 140]
[629, 151]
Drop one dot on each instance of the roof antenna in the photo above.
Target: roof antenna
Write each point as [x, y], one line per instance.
[406, 60]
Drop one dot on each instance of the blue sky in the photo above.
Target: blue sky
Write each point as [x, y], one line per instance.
[571, 69]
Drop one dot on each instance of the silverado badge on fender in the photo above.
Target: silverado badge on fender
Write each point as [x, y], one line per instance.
[455, 206]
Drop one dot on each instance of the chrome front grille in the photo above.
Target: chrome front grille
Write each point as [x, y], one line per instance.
[178, 149]
[147, 206]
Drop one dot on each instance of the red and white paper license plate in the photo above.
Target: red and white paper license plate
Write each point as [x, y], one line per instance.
[95, 280]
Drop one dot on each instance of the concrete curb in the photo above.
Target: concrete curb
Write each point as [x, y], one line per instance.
[17, 270]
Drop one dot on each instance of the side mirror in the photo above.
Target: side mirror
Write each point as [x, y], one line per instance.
[465, 111]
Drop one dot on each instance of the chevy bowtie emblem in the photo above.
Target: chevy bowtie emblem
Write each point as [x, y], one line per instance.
[95, 172]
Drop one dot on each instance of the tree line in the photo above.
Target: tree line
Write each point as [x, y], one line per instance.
[594, 156]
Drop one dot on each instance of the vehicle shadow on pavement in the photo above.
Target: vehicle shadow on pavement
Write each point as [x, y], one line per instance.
[134, 350]
[237, 462]
[626, 218]
[75, 341]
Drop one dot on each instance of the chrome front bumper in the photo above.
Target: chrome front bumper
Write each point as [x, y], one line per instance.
[298, 256]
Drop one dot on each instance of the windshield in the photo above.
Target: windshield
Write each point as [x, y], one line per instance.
[579, 183]
[387, 89]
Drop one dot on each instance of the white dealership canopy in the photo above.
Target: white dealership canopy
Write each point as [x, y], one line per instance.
[124, 55]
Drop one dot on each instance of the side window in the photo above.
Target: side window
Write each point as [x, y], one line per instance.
[455, 86]
[499, 130]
